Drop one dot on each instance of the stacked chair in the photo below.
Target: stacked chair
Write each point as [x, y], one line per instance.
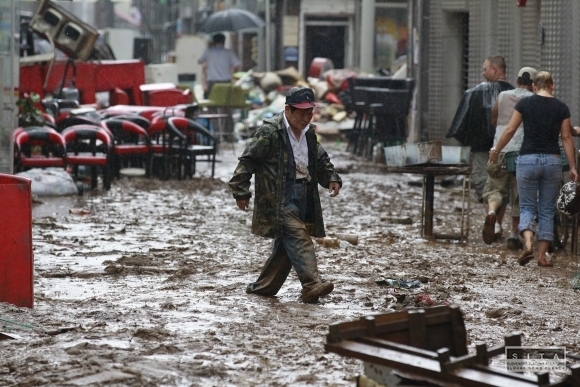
[131, 145]
[194, 140]
[91, 146]
[381, 106]
[38, 147]
[165, 141]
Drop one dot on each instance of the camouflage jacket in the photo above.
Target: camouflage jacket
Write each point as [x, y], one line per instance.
[266, 157]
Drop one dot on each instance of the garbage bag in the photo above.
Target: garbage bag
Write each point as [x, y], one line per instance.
[569, 199]
[471, 125]
[50, 182]
[398, 283]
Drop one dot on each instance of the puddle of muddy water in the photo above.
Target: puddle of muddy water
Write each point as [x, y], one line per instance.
[156, 275]
[57, 206]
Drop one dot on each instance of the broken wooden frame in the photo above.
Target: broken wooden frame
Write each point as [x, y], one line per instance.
[431, 345]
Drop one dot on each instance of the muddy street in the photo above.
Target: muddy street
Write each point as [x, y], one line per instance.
[150, 277]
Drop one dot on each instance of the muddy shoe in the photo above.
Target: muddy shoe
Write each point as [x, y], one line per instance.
[526, 256]
[311, 293]
[489, 228]
[514, 244]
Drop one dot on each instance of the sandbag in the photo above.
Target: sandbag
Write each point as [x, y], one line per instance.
[50, 182]
[569, 199]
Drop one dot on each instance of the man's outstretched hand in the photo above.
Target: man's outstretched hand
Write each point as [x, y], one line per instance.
[333, 188]
[243, 204]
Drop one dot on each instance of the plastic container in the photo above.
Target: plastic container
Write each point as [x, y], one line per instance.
[413, 154]
[16, 259]
[455, 154]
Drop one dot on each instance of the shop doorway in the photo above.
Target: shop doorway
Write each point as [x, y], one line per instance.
[326, 39]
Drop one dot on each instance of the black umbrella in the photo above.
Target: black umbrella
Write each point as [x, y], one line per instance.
[231, 20]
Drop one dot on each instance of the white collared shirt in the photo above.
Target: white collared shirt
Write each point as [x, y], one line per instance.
[300, 150]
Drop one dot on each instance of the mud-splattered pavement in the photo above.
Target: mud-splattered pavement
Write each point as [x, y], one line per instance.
[151, 275]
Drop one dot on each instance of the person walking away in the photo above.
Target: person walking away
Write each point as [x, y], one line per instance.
[501, 184]
[288, 163]
[472, 126]
[218, 64]
[539, 165]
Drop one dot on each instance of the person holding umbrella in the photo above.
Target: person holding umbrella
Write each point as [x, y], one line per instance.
[218, 64]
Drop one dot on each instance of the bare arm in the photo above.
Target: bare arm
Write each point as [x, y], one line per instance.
[568, 144]
[494, 113]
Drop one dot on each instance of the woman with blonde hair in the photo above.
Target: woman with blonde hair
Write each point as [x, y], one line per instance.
[539, 165]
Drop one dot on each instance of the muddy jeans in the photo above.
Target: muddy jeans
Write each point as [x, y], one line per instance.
[293, 249]
[539, 177]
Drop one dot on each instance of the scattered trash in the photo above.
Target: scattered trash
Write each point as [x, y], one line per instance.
[60, 330]
[350, 238]
[11, 324]
[8, 336]
[398, 283]
[575, 281]
[80, 211]
[50, 182]
[495, 313]
[397, 294]
[424, 299]
[394, 220]
[328, 242]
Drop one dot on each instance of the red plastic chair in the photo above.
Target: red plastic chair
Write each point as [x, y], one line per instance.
[89, 145]
[169, 97]
[38, 147]
[165, 149]
[196, 141]
[119, 96]
[131, 145]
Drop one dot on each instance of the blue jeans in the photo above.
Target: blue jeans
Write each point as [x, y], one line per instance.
[293, 249]
[539, 177]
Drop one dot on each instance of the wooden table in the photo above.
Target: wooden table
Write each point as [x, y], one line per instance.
[429, 171]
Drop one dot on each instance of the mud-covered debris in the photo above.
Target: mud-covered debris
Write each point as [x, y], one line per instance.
[58, 331]
[80, 211]
[153, 334]
[168, 306]
[495, 313]
[8, 336]
[395, 220]
[114, 269]
[136, 260]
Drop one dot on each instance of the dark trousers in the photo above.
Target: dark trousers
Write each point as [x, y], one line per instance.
[293, 249]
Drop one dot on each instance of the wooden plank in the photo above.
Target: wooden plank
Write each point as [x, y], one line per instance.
[417, 329]
[370, 326]
[398, 347]
[444, 359]
[481, 353]
[459, 333]
[423, 367]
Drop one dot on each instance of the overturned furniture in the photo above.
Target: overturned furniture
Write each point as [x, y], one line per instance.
[429, 345]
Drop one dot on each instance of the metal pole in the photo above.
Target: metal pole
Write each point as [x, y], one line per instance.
[268, 33]
[367, 36]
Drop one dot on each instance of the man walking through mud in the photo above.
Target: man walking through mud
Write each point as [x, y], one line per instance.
[472, 126]
[288, 164]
